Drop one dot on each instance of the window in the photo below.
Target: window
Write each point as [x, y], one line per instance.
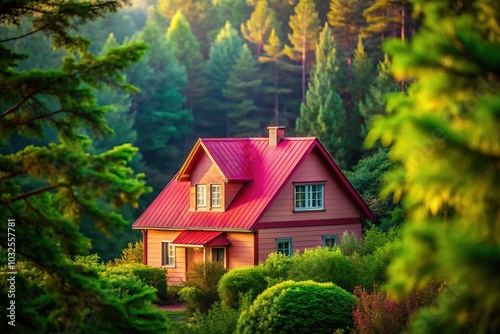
[167, 254]
[284, 246]
[201, 195]
[218, 255]
[215, 195]
[329, 241]
[309, 197]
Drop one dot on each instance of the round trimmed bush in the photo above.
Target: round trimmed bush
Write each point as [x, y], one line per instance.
[298, 307]
[241, 281]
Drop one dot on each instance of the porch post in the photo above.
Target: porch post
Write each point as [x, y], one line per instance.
[204, 255]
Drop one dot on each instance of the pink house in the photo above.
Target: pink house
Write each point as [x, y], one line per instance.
[237, 200]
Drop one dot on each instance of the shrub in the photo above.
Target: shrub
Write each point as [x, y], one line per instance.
[323, 265]
[376, 313]
[218, 320]
[241, 281]
[200, 291]
[373, 267]
[154, 277]
[276, 268]
[350, 244]
[373, 238]
[132, 254]
[298, 307]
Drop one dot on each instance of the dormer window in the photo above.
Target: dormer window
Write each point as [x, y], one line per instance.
[201, 195]
[309, 197]
[216, 195]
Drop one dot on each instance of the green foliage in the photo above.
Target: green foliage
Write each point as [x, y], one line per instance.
[242, 86]
[200, 289]
[322, 114]
[249, 281]
[298, 307]
[162, 81]
[276, 268]
[186, 49]
[153, 277]
[322, 264]
[218, 320]
[132, 254]
[445, 134]
[258, 26]
[350, 244]
[305, 28]
[223, 53]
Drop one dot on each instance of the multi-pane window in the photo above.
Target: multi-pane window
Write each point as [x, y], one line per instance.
[309, 197]
[218, 255]
[284, 246]
[216, 190]
[329, 241]
[201, 195]
[167, 254]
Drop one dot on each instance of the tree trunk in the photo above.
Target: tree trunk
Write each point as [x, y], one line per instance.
[303, 68]
[276, 106]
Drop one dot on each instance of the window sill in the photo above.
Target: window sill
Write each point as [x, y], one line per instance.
[308, 210]
[168, 266]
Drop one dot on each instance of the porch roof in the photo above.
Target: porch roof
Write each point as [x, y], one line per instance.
[201, 239]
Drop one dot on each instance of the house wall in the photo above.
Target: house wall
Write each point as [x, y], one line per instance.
[336, 205]
[241, 252]
[302, 237]
[155, 237]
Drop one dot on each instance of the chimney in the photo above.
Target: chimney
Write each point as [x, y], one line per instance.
[276, 133]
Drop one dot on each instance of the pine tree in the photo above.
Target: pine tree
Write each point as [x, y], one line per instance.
[345, 17]
[261, 21]
[322, 115]
[187, 51]
[223, 53]
[305, 26]
[445, 134]
[375, 101]
[388, 18]
[243, 119]
[273, 53]
[48, 186]
[162, 81]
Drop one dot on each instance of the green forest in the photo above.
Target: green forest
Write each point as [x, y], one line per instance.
[102, 100]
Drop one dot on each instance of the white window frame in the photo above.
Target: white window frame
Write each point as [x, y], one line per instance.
[330, 237]
[288, 251]
[168, 259]
[201, 195]
[216, 192]
[312, 197]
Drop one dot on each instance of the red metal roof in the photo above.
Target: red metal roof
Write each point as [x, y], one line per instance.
[202, 239]
[270, 168]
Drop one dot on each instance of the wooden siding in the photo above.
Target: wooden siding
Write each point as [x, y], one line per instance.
[229, 192]
[241, 249]
[337, 203]
[155, 237]
[302, 237]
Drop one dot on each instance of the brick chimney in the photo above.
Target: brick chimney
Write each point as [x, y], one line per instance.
[276, 133]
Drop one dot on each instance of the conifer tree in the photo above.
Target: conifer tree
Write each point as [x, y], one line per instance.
[223, 53]
[273, 53]
[187, 51]
[243, 118]
[375, 100]
[345, 17]
[304, 36]
[387, 18]
[323, 115]
[444, 134]
[162, 81]
[259, 24]
[48, 186]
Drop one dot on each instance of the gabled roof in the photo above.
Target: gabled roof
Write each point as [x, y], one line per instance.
[228, 155]
[270, 167]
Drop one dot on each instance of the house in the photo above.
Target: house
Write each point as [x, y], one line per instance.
[237, 200]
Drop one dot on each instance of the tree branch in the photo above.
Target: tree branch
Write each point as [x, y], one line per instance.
[34, 192]
[23, 36]
[20, 103]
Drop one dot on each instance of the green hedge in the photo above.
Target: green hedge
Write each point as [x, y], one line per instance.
[241, 281]
[154, 277]
[298, 307]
